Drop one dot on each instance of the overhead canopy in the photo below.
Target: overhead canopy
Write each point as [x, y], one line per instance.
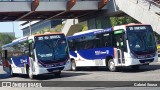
[36, 10]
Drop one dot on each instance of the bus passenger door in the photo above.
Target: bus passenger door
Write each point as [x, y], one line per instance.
[5, 62]
[120, 45]
[31, 55]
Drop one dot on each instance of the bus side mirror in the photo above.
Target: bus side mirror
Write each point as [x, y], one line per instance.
[31, 42]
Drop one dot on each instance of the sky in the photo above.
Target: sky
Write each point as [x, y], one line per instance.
[8, 27]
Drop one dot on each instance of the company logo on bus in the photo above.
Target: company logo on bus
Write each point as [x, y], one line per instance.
[23, 60]
[101, 52]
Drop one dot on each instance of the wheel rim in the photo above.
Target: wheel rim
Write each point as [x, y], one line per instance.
[30, 73]
[111, 65]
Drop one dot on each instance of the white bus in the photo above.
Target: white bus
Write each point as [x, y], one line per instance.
[126, 45]
[37, 54]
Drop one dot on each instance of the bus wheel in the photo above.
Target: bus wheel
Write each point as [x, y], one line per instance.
[11, 72]
[111, 65]
[30, 74]
[135, 67]
[73, 65]
[57, 74]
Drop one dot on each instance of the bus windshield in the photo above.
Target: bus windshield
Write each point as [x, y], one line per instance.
[141, 39]
[51, 48]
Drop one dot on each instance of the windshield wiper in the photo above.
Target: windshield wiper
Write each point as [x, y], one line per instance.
[141, 39]
[51, 47]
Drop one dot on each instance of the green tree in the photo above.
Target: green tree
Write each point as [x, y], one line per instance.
[5, 39]
[84, 27]
[122, 20]
[58, 28]
[157, 37]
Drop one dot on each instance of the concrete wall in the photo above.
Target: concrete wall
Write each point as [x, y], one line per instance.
[141, 11]
[60, 6]
[68, 23]
[15, 6]
[47, 6]
[74, 29]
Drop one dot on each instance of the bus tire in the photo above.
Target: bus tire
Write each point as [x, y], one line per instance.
[30, 74]
[135, 67]
[11, 72]
[57, 74]
[73, 65]
[111, 65]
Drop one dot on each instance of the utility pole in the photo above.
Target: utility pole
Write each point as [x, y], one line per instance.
[30, 28]
[13, 28]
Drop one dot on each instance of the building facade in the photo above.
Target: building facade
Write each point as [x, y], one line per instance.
[35, 26]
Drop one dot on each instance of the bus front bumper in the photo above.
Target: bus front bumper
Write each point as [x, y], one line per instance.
[43, 70]
[131, 61]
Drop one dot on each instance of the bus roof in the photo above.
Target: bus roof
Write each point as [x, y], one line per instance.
[130, 24]
[16, 41]
[135, 24]
[23, 39]
[89, 32]
[48, 33]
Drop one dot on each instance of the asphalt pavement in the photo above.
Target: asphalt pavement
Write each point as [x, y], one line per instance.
[145, 73]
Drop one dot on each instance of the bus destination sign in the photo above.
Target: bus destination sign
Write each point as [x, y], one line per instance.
[137, 28]
[49, 37]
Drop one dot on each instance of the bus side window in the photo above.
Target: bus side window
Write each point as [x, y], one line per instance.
[89, 44]
[31, 50]
[26, 48]
[107, 40]
[79, 44]
[71, 45]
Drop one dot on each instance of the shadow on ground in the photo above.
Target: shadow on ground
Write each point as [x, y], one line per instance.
[87, 71]
[63, 75]
[51, 76]
[4, 76]
[143, 68]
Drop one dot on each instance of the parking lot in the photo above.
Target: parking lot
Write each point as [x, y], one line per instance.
[145, 73]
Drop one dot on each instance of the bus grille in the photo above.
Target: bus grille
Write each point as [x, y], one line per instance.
[53, 69]
[146, 60]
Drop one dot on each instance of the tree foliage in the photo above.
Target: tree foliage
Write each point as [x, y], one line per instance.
[157, 37]
[5, 39]
[58, 28]
[84, 27]
[114, 21]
